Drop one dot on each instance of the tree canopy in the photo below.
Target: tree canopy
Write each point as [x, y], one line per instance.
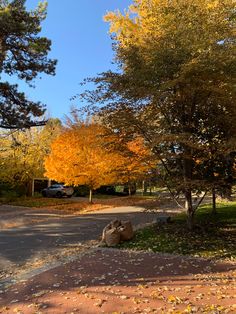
[89, 154]
[79, 157]
[23, 53]
[135, 161]
[22, 154]
[175, 85]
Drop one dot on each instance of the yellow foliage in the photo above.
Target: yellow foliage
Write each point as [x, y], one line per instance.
[22, 153]
[179, 26]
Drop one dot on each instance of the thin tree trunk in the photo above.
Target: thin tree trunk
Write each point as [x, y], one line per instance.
[28, 188]
[150, 190]
[187, 176]
[213, 201]
[143, 187]
[190, 209]
[129, 190]
[90, 195]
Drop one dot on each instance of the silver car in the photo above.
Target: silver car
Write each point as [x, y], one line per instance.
[58, 190]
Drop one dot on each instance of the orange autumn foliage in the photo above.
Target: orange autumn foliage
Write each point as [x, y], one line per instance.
[87, 155]
[135, 161]
[79, 157]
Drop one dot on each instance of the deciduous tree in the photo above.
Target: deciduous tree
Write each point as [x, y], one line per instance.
[22, 154]
[175, 84]
[80, 156]
[135, 163]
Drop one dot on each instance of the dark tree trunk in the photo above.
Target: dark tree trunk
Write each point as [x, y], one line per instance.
[187, 175]
[28, 188]
[150, 190]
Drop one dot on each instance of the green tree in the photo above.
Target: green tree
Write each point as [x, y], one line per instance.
[175, 85]
[23, 53]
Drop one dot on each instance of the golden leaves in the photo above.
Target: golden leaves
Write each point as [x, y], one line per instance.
[85, 155]
[174, 299]
[79, 157]
[22, 154]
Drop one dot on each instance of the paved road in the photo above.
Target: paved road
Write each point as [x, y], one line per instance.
[20, 245]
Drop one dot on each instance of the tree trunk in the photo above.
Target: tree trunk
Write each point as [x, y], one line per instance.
[143, 187]
[213, 201]
[190, 209]
[187, 176]
[90, 195]
[129, 190]
[150, 190]
[28, 188]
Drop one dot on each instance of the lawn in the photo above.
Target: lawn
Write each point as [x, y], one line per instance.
[214, 236]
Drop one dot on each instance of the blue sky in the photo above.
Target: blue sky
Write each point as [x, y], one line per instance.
[82, 45]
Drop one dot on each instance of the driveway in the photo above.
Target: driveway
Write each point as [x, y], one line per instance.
[23, 245]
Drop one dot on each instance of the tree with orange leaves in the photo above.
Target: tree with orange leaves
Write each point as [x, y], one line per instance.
[79, 156]
[135, 162]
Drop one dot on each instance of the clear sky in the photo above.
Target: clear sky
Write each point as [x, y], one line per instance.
[80, 42]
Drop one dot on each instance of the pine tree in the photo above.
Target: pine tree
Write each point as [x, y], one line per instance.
[23, 53]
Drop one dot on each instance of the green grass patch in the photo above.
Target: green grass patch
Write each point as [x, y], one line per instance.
[214, 236]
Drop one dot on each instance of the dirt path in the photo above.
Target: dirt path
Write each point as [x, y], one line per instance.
[112, 281]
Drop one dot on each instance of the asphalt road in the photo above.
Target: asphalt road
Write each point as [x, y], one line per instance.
[19, 245]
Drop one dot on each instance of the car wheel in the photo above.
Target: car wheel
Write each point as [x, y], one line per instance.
[59, 194]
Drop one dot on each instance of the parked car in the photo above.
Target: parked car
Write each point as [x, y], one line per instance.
[58, 190]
